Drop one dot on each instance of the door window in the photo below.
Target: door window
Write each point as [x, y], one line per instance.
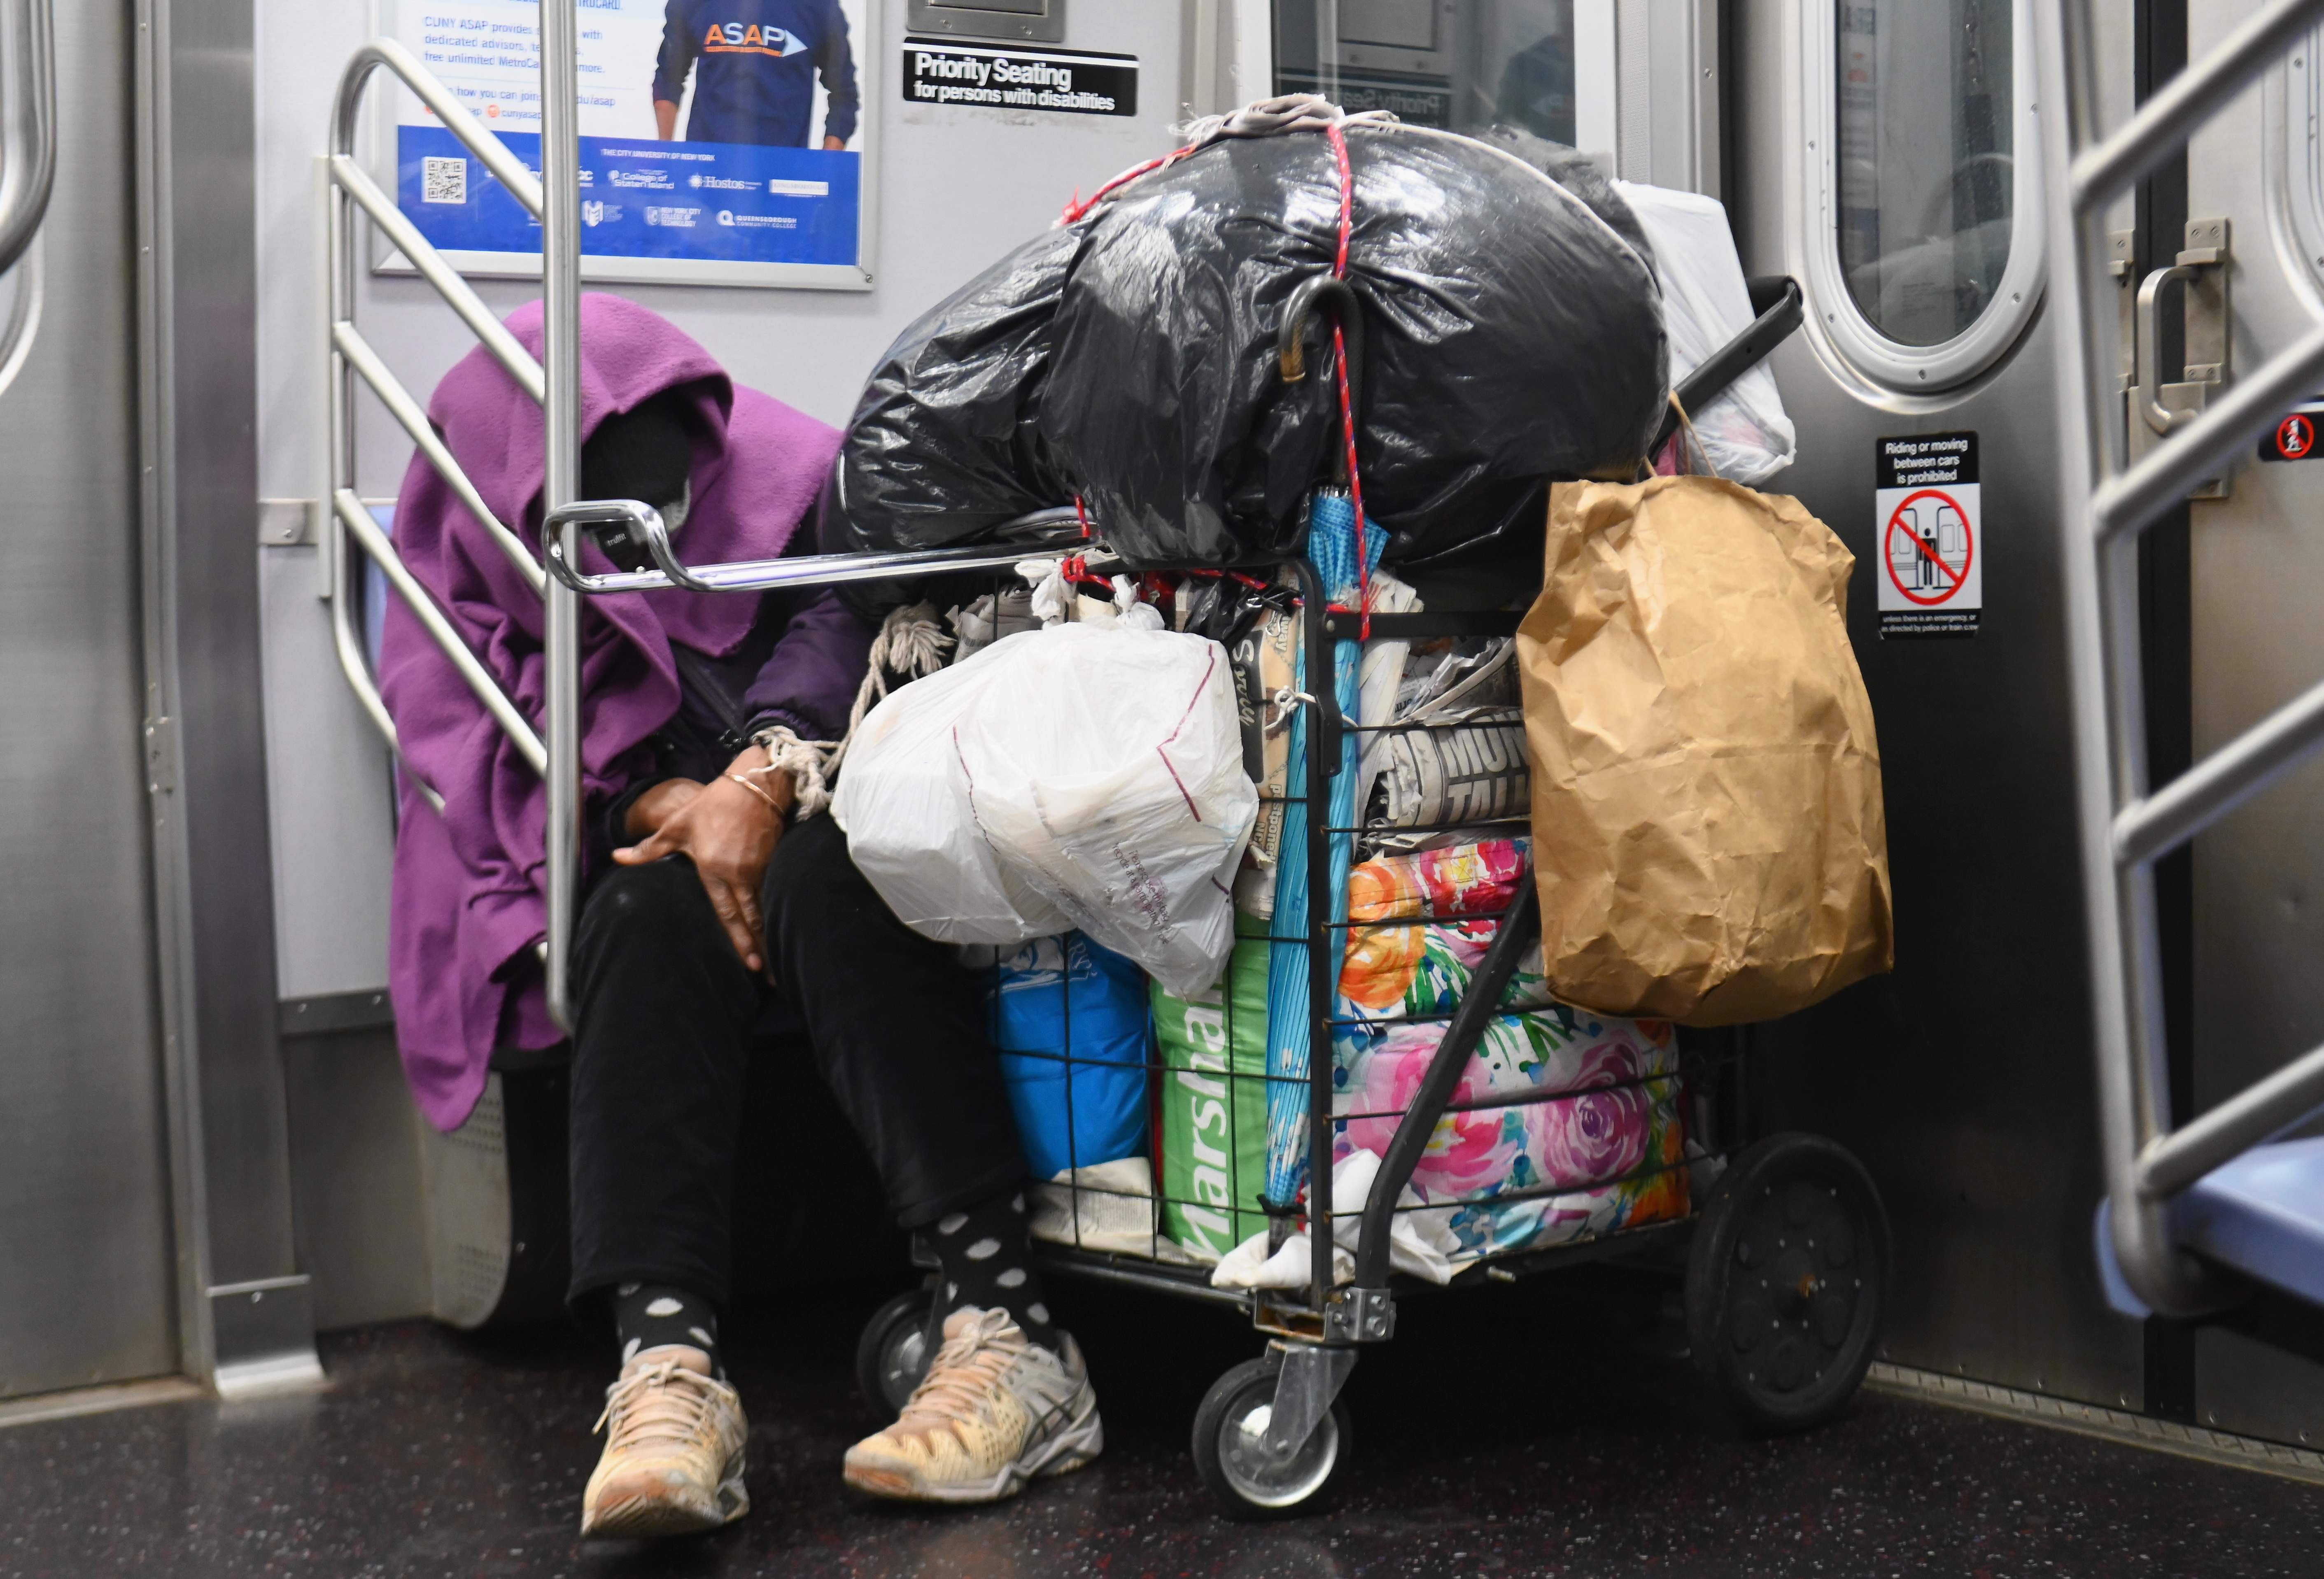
[1925, 245]
[1460, 65]
[1925, 166]
[2298, 190]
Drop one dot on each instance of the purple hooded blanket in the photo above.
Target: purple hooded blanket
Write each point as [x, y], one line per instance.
[467, 904]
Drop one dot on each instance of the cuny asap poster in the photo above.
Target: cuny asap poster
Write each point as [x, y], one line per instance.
[722, 140]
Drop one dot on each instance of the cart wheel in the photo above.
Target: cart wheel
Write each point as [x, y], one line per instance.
[1786, 1281]
[892, 1354]
[1231, 1453]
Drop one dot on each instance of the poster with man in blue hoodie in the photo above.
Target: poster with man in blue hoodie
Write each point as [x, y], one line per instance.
[754, 64]
[723, 142]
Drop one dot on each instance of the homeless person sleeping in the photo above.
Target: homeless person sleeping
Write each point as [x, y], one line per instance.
[714, 897]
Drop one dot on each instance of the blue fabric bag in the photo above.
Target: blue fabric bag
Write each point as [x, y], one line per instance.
[1046, 990]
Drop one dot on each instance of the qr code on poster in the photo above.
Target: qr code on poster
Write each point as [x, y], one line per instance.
[443, 181]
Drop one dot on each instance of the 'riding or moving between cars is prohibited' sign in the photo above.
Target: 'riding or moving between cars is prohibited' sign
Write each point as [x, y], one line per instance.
[1931, 535]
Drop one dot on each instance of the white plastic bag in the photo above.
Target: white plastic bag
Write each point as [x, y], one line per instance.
[1073, 776]
[1745, 434]
[908, 822]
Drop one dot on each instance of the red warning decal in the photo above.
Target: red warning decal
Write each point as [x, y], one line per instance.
[1929, 547]
[2294, 438]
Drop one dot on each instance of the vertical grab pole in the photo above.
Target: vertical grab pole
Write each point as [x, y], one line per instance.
[560, 264]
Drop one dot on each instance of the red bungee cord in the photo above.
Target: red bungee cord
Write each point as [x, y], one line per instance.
[1347, 404]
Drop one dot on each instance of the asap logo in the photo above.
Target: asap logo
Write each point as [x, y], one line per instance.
[734, 38]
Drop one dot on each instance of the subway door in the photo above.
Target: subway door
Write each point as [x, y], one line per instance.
[87, 1289]
[1884, 154]
[2250, 236]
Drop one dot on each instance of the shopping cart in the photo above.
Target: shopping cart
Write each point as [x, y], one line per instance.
[1783, 1247]
[1785, 1254]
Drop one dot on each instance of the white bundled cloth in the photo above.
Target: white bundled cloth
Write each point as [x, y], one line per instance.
[1080, 776]
[1745, 436]
[1106, 1206]
[1421, 1242]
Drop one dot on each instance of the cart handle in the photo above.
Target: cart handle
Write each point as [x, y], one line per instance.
[1722, 368]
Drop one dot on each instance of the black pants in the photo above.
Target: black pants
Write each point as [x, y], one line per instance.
[668, 1019]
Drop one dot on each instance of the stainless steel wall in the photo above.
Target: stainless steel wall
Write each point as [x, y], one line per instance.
[86, 1288]
[1965, 1079]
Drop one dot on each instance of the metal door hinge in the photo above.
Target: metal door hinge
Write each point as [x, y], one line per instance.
[2159, 408]
[160, 755]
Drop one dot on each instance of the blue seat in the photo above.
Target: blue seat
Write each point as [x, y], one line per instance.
[2261, 1214]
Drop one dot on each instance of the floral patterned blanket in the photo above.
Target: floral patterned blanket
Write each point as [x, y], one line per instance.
[1585, 1137]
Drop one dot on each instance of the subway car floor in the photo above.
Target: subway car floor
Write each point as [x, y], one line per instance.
[1545, 1429]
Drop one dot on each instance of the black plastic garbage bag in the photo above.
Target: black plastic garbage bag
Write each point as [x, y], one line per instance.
[1578, 173]
[944, 444]
[1511, 334]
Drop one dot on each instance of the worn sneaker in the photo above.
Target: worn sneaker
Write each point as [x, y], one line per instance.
[994, 1411]
[673, 1463]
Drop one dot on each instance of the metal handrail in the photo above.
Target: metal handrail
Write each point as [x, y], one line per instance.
[355, 519]
[644, 524]
[553, 749]
[2125, 827]
[346, 186]
[560, 339]
[30, 173]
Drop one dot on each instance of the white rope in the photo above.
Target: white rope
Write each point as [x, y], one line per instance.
[1293, 112]
[911, 642]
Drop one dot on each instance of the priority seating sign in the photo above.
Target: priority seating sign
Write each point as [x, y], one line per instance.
[1928, 532]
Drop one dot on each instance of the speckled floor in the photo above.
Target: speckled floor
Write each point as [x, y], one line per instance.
[1567, 1441]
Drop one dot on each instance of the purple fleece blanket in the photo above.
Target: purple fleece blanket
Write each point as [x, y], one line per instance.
[467, 904]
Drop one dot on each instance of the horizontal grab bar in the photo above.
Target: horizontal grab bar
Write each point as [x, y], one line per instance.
[794, 570]
[350, 344]
[2223, 781]
[404, 235]
[2132, 501]
[506, 168]
[2257, 1114]
[357, 521]
[2101, 172]
[356, 666]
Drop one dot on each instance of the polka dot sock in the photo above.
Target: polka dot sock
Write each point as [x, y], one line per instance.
[987, 1261]
[647, 1316]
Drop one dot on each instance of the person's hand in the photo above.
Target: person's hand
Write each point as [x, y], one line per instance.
[650, 810]
[835, 144]
[730, 833]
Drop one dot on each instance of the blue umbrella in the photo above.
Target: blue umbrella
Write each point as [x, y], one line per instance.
[1331, 546]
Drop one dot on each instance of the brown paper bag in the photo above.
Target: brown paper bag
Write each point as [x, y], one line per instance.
[1707, 831]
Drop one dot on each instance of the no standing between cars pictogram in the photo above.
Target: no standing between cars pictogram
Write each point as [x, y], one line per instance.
[1929, 547]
